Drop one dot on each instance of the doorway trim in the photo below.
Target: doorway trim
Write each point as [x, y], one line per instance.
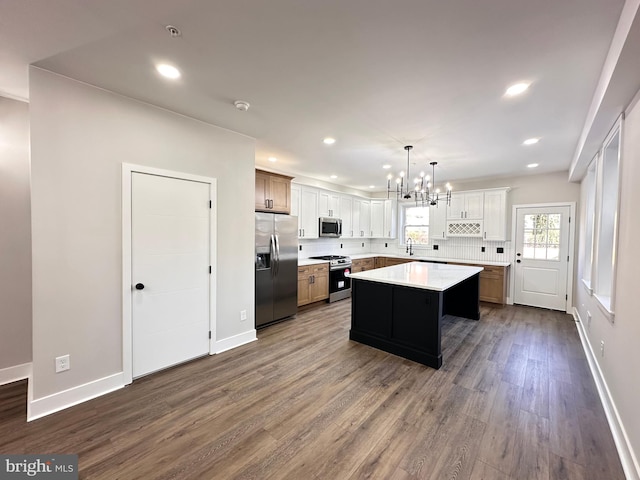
[572, 247]
[127, 290]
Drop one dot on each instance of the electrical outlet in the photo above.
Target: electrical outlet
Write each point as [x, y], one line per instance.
[602, 348]
[63, 363]
[243, 315]
[500, 250]
[482, 249]
[435, 247]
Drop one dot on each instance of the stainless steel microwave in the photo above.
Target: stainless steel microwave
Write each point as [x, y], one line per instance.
[330, 227]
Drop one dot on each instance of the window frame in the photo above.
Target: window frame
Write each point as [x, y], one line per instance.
[607, 302]
[403, 223]
[590, 223]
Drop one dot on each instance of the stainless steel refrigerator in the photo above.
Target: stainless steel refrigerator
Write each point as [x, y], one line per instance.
[276, 267]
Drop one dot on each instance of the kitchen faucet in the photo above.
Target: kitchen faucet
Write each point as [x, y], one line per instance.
[409, 249]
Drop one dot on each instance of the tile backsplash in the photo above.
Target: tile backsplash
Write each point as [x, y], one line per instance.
[458, 248]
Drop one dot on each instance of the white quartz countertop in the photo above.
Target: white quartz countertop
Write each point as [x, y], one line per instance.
[310, 261]
[416, 258]
[429, 276]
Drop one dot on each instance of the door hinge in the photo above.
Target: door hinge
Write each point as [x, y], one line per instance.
[566, 297]
[569, 219]
[567, 258]
[209, 334]
[209, 269]
[209, 203]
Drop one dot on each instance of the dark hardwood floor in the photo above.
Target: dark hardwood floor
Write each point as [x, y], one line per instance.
[513, 400]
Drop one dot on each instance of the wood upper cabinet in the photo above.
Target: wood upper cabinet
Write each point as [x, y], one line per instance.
[273, 192]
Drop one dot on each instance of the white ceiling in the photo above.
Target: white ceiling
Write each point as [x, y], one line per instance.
[374, 74]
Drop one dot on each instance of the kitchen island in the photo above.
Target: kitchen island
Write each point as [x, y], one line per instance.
[399, 309]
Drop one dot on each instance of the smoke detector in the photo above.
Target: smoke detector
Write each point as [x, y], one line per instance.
[241, 105]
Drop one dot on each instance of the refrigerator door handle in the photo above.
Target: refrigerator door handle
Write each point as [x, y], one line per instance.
[277, 255]
[273, 255]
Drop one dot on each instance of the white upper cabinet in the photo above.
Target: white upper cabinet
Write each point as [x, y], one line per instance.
[328, 204]
[495, 215]
[361, 218]
[365, 217]
[304, 205]
[438, 221]
[480, 214]
[390, 218]
[377, 219]
[466, 206]
[346, 214]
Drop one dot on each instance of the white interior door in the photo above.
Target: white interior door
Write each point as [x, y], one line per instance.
[542, 261]
[170, 271]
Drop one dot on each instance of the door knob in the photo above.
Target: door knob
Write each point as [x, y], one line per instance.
[139, 286]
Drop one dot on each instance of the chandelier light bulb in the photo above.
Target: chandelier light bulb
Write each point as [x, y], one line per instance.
[398, 180]
[389, 177]
[421, 174]
[448, 185]
[437, 190]
[401, 174]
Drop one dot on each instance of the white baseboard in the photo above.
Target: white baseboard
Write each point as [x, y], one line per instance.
[68, 398]
[235, 341]
[15, 373]
[625, 451]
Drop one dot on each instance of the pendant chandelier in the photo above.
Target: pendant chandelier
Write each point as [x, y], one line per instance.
[422, 189]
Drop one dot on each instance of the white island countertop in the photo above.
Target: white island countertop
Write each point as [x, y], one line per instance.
[429, 276]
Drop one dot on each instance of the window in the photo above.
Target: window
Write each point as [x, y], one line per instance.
[589, 219]
[607, 201]
[416, 224]
[542, 236]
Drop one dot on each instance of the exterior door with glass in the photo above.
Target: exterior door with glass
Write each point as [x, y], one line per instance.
[542, 256]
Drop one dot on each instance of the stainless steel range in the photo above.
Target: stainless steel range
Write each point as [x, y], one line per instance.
[339, 276]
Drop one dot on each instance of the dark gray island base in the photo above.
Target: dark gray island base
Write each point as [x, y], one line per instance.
[406, 320]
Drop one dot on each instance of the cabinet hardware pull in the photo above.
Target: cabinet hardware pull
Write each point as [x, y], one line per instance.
[266, 203]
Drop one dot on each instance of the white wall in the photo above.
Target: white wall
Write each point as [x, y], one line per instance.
[15, 235]
[80, 135]
[619, 365]
[542, 188]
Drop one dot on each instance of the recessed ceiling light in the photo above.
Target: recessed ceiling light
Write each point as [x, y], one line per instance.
[334, 176]
[168, 71]
[386, 167]
[329, 141]
[532, 165]
[516, 89]
[531, 141]
[272, 159]
[372, 186]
